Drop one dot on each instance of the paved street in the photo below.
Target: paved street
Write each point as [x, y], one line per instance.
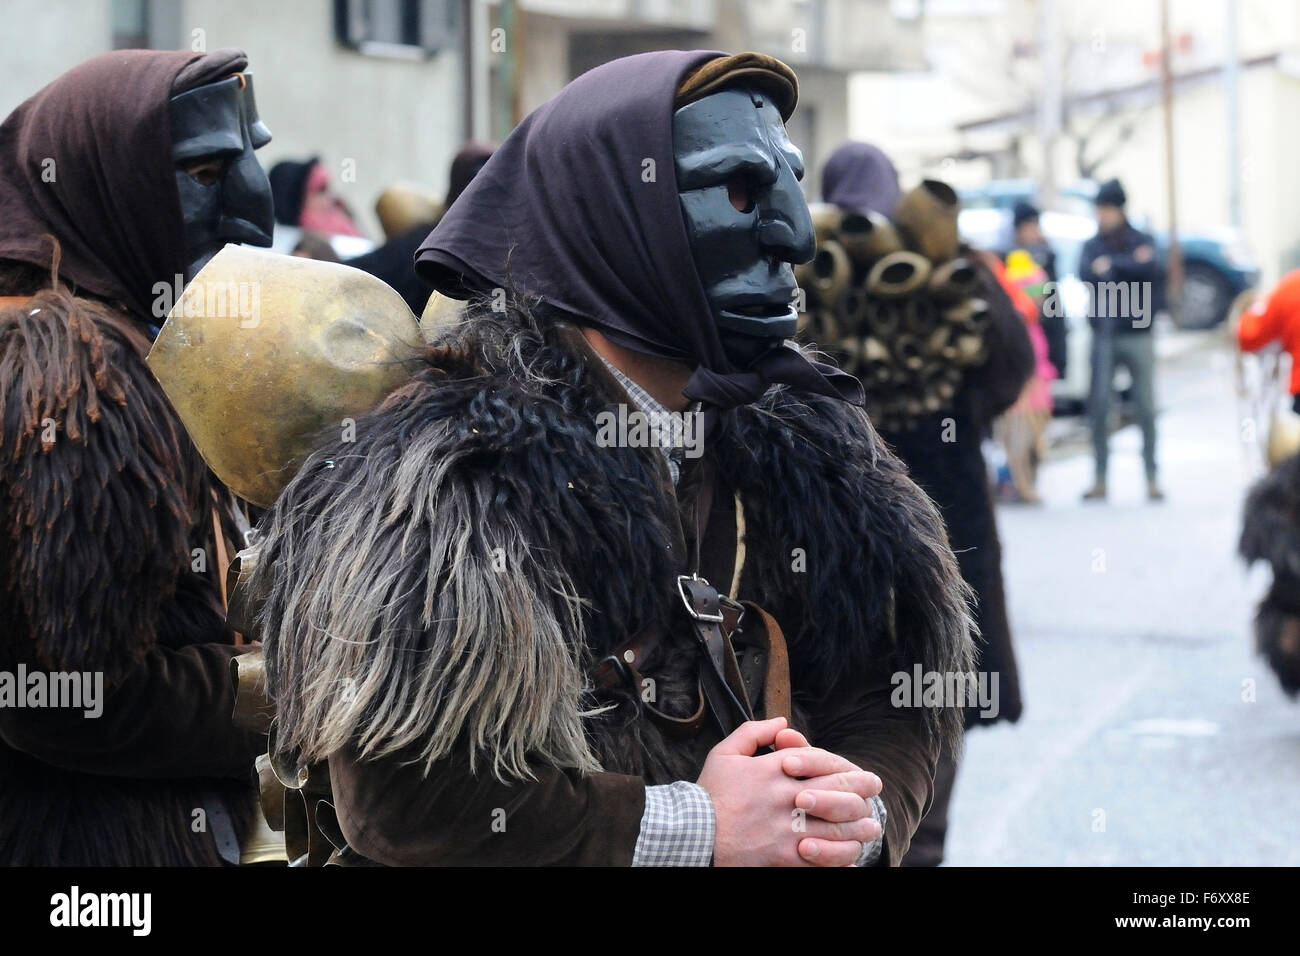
[1133, 630]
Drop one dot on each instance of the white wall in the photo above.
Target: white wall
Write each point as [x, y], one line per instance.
[392, 118]
[40, 40]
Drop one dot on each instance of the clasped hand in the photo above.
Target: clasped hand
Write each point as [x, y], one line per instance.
[798, 806]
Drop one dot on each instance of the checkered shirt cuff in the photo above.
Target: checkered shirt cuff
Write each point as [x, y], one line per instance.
[677, 827]
[871, 851]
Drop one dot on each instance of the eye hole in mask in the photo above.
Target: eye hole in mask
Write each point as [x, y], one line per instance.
[208, 172]
[740, 190]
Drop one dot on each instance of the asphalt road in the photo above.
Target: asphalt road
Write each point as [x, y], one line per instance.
[1152, 732]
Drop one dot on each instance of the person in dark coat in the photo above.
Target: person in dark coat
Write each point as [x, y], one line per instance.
[943, 455]
[567, 695]
[394, 261]
[1119, 267]
[111, 526]
[1027, 233]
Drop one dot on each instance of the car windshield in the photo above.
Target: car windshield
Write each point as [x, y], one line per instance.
[989, 227]
[1067, 232]
[1074, 199]
[1067, 255]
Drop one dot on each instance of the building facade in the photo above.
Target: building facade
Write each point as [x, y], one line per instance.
[386, 90]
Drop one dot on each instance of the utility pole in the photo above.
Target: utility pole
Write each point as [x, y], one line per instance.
[1174, 265]
[508, 108]
[1231, 71]
[1049, 96]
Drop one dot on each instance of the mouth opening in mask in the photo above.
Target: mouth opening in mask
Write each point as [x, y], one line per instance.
[767, 310]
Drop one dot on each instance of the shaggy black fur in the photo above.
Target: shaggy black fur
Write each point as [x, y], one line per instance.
[114, 497]
[514, 409]
[96, 532]
[1271, 532]
[879, 582]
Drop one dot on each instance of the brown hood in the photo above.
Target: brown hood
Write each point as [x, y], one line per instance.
[87, 160]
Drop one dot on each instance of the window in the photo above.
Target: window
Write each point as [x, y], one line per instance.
[409, 29]
[130, 25]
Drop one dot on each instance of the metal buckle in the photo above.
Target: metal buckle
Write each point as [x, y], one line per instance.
[686, 600]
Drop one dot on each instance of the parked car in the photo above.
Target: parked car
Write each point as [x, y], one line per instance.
[1217, 263]
[1217, 267]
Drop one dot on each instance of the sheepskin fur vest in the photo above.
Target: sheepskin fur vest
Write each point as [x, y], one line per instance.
[103, 504]
[1271, 532]
[449, 575]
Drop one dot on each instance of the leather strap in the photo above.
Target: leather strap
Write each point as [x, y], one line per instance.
[223, 557]
[703, 506]
[720, 675]
[14, 301]
[223, 569]
[620, 669]
[220, 827]
[776, 685]
[723, 686]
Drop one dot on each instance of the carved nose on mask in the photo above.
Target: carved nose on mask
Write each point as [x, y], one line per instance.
[777, 234]
[787, 240]
[249, 212]
[786, 225]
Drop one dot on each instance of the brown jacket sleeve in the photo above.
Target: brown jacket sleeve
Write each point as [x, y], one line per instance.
[392, 813]
[859, 722]
[168, 717]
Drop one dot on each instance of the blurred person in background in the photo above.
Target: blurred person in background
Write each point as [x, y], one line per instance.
[1028, 235]
[1028, 231]
[1276, 318]
[312, 245]
[943, 453]
[1022, 428]
[394, 261]
[473, 156]
[1118, 265]
[1271, 519]
[304, 198]
[113, 528]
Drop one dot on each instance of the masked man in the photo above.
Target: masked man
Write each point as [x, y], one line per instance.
[491, 613]
[121, 179]
[941, 443]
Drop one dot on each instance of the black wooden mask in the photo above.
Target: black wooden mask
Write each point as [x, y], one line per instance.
[738, 179]
[216, 126]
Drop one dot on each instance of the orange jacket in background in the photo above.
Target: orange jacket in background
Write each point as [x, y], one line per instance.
[1025, 305]
[1276, 318]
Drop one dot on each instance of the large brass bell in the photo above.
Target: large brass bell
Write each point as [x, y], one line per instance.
[264, 354]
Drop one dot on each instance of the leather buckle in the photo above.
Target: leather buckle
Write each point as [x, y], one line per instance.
[733, 614]
[610, 672]
[688, 602]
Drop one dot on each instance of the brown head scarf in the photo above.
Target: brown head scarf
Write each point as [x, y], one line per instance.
[88, 160]
[579, 206]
